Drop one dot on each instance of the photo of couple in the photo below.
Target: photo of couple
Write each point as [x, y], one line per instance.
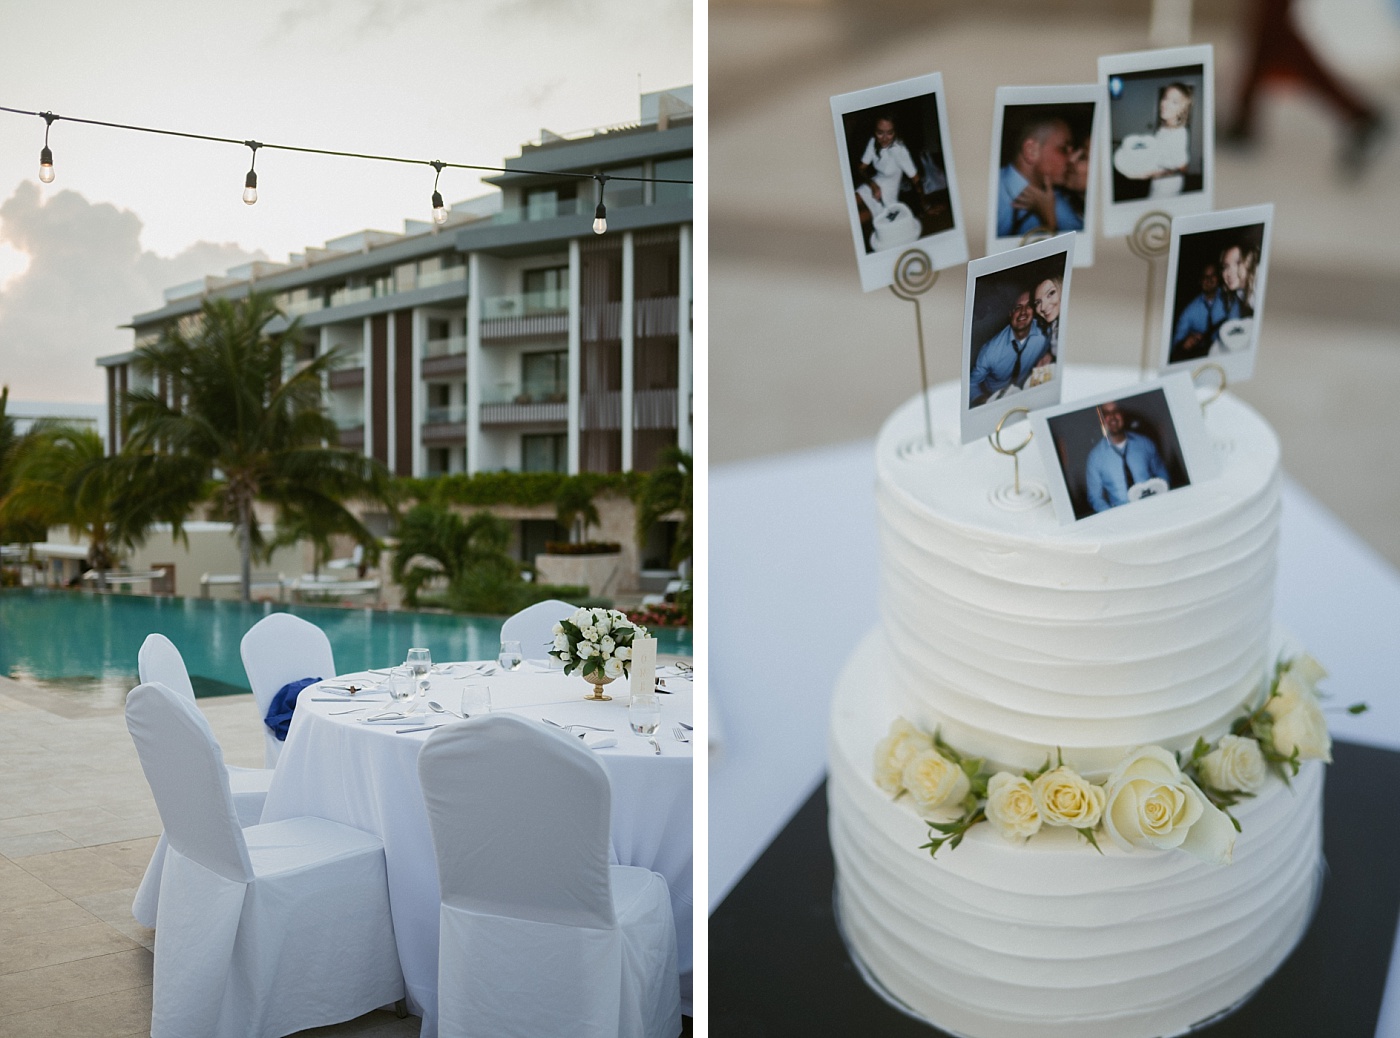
[1043, 172]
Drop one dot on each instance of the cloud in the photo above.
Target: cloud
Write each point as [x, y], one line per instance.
[87, 275]
[361, 19]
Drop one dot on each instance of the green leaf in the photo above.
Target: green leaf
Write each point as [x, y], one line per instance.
[1358, 708]
[1088, 834]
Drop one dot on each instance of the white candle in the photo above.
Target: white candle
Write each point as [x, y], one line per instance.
[643, 669]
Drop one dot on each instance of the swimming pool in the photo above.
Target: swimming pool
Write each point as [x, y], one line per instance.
[85, 643]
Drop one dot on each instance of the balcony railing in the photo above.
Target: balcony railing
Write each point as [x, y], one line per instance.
[304, 306]
[346, 296]
[542, 392]
[445, 415]
[445, 347]
[526, 304]
[444, 276]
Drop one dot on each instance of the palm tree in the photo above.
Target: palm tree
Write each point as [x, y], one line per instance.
[63, 478]
[574, 508]
[13, 446]
[245, 426]
[471, 554]
[668, 489]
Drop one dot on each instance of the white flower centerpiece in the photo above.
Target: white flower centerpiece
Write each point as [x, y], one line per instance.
[598, 644]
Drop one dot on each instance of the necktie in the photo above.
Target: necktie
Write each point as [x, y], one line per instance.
[1127, 472]
[1016, 368]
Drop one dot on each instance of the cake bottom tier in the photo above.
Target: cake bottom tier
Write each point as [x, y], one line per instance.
[1051, 938]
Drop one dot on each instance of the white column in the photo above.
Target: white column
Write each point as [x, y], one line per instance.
[419, 324]
[686, 381]
[391, 397]
[629, 345]
[575, 352]
[367, 389]
[473, 362]
[323, 346]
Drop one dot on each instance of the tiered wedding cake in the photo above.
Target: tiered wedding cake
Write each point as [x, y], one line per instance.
[1108, 649]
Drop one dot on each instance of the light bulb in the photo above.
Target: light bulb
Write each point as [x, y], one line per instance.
[600, 219]
[46, 165]
[439, 210]
[250, 188]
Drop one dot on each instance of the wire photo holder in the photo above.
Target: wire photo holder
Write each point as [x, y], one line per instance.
[1150, 240]
[913, 276]
[1014, 497]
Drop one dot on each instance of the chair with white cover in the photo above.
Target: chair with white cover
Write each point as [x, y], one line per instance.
[277, 650]
[539, 935]
[266, 930]
[160, 661]
[533, 627]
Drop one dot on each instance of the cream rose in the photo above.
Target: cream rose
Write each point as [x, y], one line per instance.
[1064, 798]
[612, 668]
[894, 751]
[1150, 803]
[1234, 764]
[933, 781]
[1011, 806]
[1298, 721]
[1307, 670]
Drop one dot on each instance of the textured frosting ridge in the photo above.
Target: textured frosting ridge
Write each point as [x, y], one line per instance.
[1048, 938]
[1015, 636]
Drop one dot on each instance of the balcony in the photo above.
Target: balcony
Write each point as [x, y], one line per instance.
[445, 347]
[445, 358]
[304, 306]
[525, 314]
[343, 377]
[351, 432]
[445, 415]
[530, 403]
[445, 426]
[346, 296]
[445, 276]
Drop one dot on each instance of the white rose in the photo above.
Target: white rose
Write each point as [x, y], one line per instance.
[606, 645]
[604, 624]
[1234, 764]
[1298, 722]
[1064, 798]
[588, 633]
[933, 781]
[586, 649]
[1150, 803]
[1011, 807]
[1307, 670]
[581, 617]
[612, 668]
[893, 752]
[622, 652]
[561, 642]
[557, 629]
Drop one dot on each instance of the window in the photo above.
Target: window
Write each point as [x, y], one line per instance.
[544, 452]
[439, 394]
[674, 169]
[544, 377]
[438, 460]
[546, 289]
[438, 328]
[545, 203]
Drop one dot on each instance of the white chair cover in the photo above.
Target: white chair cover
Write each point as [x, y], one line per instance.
[533, 627]
[264, 931]
[539, 935]
[161, 662]
[278, 649]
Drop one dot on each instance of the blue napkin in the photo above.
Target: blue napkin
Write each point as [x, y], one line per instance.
[279, 714]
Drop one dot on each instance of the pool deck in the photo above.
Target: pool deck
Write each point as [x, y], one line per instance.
[77, 827]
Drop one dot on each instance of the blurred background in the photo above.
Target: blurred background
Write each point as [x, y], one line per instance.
[800, 357]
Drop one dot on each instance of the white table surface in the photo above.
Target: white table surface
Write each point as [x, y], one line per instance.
[792, 546]
[335, 766]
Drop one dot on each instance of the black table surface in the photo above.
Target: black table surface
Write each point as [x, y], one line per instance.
[778, 966]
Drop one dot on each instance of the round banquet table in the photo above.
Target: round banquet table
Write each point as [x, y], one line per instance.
[335, 766]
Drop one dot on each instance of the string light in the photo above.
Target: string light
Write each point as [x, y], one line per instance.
[250, 182]
[45, 155]
[600, 215]
[439, 210]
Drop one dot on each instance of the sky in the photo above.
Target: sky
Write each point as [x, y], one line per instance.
[129, 214]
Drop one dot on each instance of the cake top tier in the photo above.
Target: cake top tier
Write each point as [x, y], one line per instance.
[966, 491]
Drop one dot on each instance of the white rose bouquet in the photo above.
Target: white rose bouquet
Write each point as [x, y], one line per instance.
[596, 642]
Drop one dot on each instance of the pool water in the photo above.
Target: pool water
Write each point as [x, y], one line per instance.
[85, 643]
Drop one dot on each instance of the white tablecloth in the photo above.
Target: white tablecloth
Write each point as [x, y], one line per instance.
[333, 766]
[793, 537]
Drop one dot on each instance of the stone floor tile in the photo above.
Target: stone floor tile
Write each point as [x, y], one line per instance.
[49, 821]
[66, 945]
[38, 917]
[79, 979]
[77, 872]
[18, 887]
[113, 907]
[14, 847]
[125, 1012]
[131, 855]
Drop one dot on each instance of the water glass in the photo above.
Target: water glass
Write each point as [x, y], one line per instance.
[402, 684]
[510, 657]
[644, 714]
[420, 661]
[476, 700]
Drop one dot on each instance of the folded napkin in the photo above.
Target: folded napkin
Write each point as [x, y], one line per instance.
[279, 713]
[538, 666]
[598, 740]
[394, 718]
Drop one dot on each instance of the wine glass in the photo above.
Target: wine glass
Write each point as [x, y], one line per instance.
[510, 657]
[420, 661]
[644, 714]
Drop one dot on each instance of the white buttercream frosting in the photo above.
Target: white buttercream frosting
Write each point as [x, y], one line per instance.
[1016, 636]
[1048, 938]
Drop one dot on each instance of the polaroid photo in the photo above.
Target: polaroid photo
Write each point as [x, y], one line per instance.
[1123, 447]
[1042, 181]
[1160, 153]
[1215, 290]
[1013, 332]
[897, 172]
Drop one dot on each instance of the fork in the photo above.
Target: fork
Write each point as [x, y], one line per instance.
[566, 727]
[680, 734]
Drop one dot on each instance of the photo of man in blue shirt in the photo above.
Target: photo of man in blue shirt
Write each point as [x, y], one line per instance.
[1006, 359]
[1201, 318]
[1030, 194]
[1119, 461]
